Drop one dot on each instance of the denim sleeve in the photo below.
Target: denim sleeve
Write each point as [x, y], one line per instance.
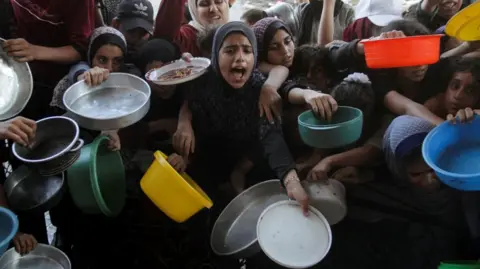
[76, 70]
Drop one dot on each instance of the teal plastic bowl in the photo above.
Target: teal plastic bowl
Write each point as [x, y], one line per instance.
[344, 129]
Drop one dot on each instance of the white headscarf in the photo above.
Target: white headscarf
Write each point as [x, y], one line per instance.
[192, 7]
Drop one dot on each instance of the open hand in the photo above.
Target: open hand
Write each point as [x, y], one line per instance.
[20, 130]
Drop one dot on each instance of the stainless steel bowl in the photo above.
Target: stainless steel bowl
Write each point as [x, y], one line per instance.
[235, 231]
[16, 85]
[120, 101]
[42, 257]
[28, 191]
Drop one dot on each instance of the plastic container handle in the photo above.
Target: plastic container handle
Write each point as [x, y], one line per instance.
[79, 146]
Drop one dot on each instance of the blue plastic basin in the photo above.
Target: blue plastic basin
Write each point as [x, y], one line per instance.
[344, 129]
[453, 152]
[8, 228]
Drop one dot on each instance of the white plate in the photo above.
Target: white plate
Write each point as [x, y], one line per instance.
[290, 239]
[199, 64]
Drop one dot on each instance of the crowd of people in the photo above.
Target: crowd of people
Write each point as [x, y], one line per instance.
[236, 125]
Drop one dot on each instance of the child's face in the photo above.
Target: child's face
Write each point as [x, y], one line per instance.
[448, 8]
[462, 92]
[421, 175]
[413, 73]
[165, 91]
[317, 77]
[236, 60]
[109, 57]
[281, 49]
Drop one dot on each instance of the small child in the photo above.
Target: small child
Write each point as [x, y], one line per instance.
[355, 91]
[463, 89]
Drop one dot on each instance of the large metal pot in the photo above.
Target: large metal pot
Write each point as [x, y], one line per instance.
[42, 257]
[16, 84]
[235, 231]
[28, 191]
[56, 147]
[118, 102]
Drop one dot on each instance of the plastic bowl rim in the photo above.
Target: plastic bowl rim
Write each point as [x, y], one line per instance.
[13, 232]
[401, 38]
[331, 126]
[432, 164]
[205, 201]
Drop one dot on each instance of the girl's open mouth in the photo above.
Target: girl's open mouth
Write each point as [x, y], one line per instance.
[238, 73]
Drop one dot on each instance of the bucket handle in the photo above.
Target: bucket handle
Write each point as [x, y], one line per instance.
[79, 145]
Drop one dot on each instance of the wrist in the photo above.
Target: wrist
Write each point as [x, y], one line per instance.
[36, 54]
[290, 177]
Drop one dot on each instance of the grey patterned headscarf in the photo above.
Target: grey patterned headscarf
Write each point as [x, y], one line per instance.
[102, 36]
[404, 134]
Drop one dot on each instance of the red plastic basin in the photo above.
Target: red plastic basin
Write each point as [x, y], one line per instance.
[402, 52]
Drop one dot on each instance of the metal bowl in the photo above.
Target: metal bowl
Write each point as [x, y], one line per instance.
[235, 231]
[42, 257]
[118, 102]
[56, 147]
[28, 191]
[16, 84]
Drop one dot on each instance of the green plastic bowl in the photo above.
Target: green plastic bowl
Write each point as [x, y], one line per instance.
[97, 179]
[344, 129]
[460, 265]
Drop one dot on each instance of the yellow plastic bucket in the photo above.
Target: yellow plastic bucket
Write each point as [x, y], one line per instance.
[465, 24]
[177, 195]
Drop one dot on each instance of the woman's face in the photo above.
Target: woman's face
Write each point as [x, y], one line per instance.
[461, 93]
[236, 60]
[164, 91]
[448, 8]
[212, 12]
[413, 73]
[109, 57]
[421, 175]
[281, 49]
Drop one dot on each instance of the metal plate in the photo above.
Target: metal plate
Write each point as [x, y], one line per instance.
[120, 101]
[42, 257]
[235, 232]
[16, 84]
[199, 66]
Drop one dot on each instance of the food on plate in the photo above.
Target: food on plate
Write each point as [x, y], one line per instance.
[178, 73]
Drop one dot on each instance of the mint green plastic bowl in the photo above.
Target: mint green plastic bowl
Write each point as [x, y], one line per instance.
[344, 129]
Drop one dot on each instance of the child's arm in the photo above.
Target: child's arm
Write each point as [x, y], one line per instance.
[323, 105]
[401, 105]
[326, 27]
[270, 101]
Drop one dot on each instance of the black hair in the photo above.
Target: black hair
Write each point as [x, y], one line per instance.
[465, 64]
[205, 38]
[412, 156]
[309, 56]
[355, 93]
[186, 13]
[253, 15]
[408, 27]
